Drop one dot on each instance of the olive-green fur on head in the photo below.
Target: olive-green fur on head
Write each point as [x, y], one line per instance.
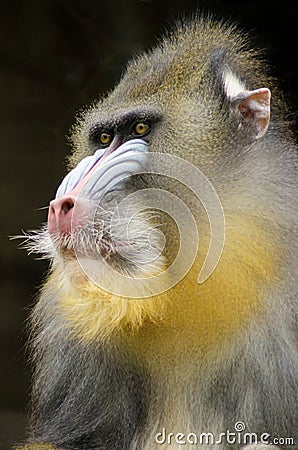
[182, 80]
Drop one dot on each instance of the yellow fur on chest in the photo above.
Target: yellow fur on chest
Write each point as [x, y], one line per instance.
[199, 314]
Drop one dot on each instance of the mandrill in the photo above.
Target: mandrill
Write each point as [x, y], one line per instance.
[168, 318]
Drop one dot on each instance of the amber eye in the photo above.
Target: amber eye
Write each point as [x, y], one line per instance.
[105, 138]
[141, 128]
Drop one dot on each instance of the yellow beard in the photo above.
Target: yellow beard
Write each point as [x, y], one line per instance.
[203, 313]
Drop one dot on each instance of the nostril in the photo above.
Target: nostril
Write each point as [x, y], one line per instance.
[67, 206]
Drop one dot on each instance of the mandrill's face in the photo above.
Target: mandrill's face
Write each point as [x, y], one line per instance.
[102, 220]
[144, 158]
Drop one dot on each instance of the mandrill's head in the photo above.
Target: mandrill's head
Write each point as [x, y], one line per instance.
[184, 130]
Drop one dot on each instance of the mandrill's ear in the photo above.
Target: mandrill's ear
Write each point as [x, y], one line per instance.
[253, 109]
[250, 108]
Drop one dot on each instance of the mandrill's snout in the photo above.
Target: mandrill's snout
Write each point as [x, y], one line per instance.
[94, 177]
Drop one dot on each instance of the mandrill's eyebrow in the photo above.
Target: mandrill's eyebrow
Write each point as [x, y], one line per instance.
[122, 119]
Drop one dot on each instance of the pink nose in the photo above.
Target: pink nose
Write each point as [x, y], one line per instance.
[60, 215]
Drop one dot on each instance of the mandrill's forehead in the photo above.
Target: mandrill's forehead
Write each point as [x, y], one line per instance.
[157, 78]
[177, 67]
[181, 64]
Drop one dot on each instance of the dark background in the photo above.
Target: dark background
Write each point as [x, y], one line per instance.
[57, 56]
